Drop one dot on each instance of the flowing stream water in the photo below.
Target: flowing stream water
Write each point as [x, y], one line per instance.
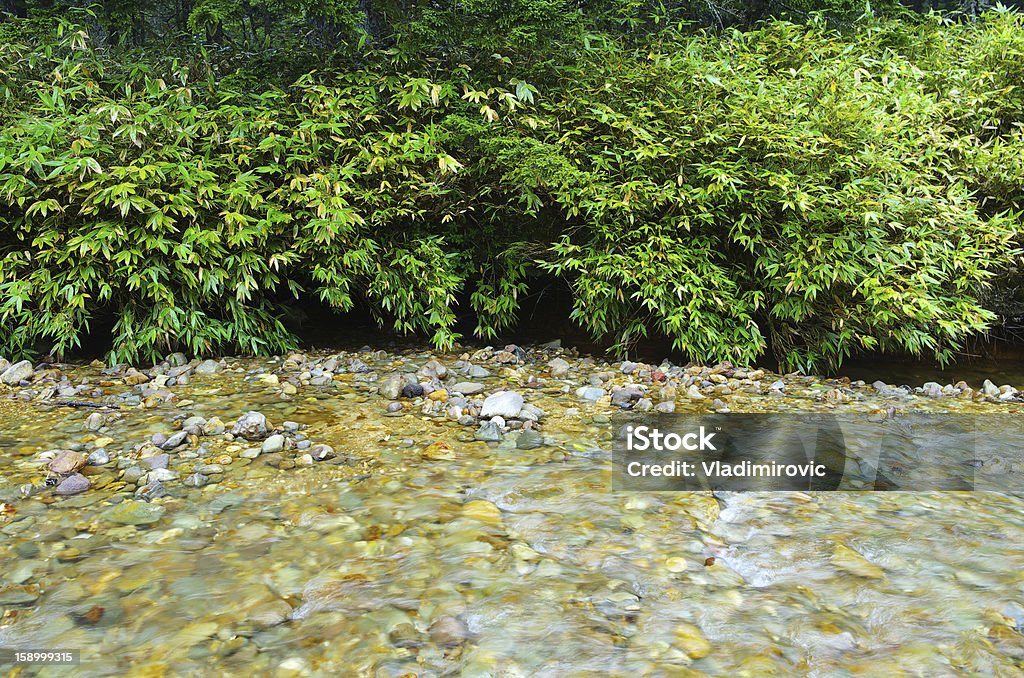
[417, 550]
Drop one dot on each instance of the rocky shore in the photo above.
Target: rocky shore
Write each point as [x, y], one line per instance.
[409, 512]
[490, 393]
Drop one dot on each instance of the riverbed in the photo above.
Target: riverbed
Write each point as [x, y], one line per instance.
[374, 524]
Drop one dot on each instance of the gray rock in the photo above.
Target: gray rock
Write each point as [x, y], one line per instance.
[531, 412]
[629, 367]
[213, 427]
[162, 475]
[197, 480]
[390, 386]
[932, 389]
[777, 385]
[209, 469]
[468, 387]
[291, 426]
[321, 452]
[591, 393]
[693, 393]
[251, 426]
[529, 440]
[505, 404]
[155, 462]
[158, 439]
[624, 396]
[133, 513]
[152, 490]
[208, 367]
[73, 484]
[193, 422]
[643, 405]
[133, 474]
[99, 457]
[666, 407]
[414, 390]
[177, 359]
[394, 407]
[477, 372]
[433, 368]
[357, 366]
[990, 389]
[95, 421]
[559, 368]
[17, 373]
[448, 632]
[489, 432]
[274, 443]
[175, 441]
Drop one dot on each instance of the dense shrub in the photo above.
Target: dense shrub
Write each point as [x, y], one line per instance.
[823, 193]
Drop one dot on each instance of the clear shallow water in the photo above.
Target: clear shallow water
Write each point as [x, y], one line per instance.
[353, 566]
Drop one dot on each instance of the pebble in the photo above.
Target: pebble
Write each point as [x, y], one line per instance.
[274, 443]
[390, 386]
[73, 484]
[251, 426]
[691, 640]
[482, 511]
[468, 387]
[134, 513]
[591, 393]
[490, 432]
[157, 461]
[320, 452]
[95, 421]
[197, 480]
[17, 373]
[505, 404]
[394, 407]
[559, 368]
[448, 632]
[208, 367]
[67, 461]
[175, 441]
[529, 440]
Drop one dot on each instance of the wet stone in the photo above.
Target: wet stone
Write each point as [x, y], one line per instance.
[412, 390]
[175, 441]
[196, 480]
[505, 404]
[73, 484]
[99, 457]
[529, 440]
[490, 432]
[157, 461]
[448, 632]
[468, 387]
[67, 461]
[591, 393]
[274, 443]
[17, 373]
[251, 426]
[134, 513]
